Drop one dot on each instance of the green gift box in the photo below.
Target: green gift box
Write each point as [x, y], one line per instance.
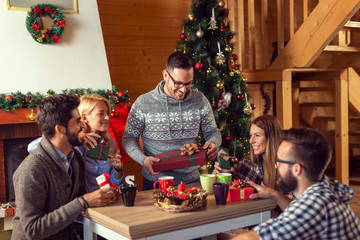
[223, 158]
[100, 152]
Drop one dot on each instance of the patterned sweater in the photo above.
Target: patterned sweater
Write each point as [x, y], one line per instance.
[166, 124]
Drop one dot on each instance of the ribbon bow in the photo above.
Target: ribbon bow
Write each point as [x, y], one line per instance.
[189, 149]
[57, 39]
[36, 27]
[61, 23]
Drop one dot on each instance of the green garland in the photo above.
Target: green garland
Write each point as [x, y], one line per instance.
[12, 101]
[35, 26]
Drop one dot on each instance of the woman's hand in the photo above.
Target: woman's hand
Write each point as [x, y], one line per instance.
[218, 169]
[115, 160]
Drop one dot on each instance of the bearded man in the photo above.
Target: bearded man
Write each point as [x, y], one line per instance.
[321, 208]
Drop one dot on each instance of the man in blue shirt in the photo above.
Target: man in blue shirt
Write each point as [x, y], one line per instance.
[321, 210]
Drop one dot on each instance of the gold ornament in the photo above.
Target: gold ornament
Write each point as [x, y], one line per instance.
[248, 109]
[208, 71]
[32, 115]
[221, 3]
[228, 48]
[220, 85]
[191, 17]
[200, 33]
[231, 73]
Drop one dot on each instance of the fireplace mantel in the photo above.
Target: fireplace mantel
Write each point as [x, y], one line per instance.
[13, 124]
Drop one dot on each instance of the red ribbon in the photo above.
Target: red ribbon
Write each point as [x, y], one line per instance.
[36, 27]
[61, 23]
[57, 39]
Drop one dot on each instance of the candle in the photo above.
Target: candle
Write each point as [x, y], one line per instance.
[181, 187]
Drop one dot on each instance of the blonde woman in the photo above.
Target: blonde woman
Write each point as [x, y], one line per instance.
[95, 113]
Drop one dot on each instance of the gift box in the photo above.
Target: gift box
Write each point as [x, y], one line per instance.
[237, 194]
[173, 160]
[101, 152]
[224, 158]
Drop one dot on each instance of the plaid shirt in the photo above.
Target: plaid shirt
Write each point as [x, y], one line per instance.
[321, 212]
[245, 170]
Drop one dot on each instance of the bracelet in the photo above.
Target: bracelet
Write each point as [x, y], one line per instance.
[118, 170]
[86, 205]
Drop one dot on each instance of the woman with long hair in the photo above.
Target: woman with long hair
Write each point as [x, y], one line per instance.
[95, 113]
[264, 138]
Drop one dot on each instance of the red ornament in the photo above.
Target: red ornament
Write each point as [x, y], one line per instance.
[228, 138]
[113, 114]
[199, 66]
[213, 105]
[110, 93]
[183, 36]
[235, 57]
[181, 187]
[222, 29]
[240, 96]
[121, 94]
[9, 97]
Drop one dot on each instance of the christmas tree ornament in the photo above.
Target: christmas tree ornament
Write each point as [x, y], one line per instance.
[219, 85]
[235, 57]
[121, 94]
[29, 98]
[212, 22]
[222, 29]
[208, 71]
[221, 3]
[213, 103]
[199, 33]
[240, 96]
[228, 48]
[183, 35]
[225, 101]
[247, 109]
[32, 115]
[113, 114]
[228, 137]
[199, 66]
[220, 58]
[191, 17]
[184, 48]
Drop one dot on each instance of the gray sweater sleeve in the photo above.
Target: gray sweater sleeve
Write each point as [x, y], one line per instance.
[31, 197]
[132, 133]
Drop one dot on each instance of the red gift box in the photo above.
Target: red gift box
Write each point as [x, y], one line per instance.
[173, 160]
[237, 194]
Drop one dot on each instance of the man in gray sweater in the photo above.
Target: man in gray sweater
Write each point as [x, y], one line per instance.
[49, 184]
[168, 117]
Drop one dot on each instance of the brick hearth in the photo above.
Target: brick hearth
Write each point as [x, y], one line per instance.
[13, 125]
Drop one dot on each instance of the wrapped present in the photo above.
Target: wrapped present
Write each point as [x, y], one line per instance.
[240, 190]
[175, 160]
[224, 158]
[100, 152]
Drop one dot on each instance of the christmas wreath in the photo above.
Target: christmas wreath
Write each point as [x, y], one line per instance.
[34, 23]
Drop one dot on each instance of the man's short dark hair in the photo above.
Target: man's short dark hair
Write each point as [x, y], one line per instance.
[179, 60]
[311, 149]
[55, 110]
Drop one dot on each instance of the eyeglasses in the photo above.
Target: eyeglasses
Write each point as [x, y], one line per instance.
[288, 162]
[180, 84]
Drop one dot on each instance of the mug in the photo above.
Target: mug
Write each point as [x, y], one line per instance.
[224, 178]
[207, 180]
[220, 192]
[164, 182]
[128, 193]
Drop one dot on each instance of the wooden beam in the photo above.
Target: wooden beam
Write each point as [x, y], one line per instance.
[295, 86]
[284, 100]
[354, 89]
[292, 17]
[328, 17]
[264, 30]
[305, 9]
[342, 128]
[280, 25]
[241, 33]
[251, 30]
[262, 76]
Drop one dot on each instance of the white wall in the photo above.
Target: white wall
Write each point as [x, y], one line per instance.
[78, 61]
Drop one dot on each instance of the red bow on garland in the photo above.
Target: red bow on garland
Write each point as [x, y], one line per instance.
[57, 39]
[61, 23]
[39, 10]
[36, 27]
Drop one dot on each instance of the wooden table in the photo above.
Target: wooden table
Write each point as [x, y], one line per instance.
[145, 221]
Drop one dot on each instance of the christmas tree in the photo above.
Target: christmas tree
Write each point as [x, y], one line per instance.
[206, 36]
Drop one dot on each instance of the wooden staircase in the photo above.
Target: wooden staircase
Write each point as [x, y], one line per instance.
[315, 75]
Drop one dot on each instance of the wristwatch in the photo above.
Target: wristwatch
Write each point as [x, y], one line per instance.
[118, 170]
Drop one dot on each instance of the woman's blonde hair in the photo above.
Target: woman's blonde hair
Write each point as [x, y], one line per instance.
[87, 104]
[272, 128]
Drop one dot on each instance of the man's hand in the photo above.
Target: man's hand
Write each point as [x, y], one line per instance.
[89, 139]
[148, 161]
[100, 197]
[211, 150]
[266, 192]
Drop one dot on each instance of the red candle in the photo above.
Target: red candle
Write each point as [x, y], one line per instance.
[181, 187]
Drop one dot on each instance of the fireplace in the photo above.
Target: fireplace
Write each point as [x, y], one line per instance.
[16, 131]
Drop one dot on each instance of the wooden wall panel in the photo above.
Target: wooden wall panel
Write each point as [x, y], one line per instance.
[139, 35]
